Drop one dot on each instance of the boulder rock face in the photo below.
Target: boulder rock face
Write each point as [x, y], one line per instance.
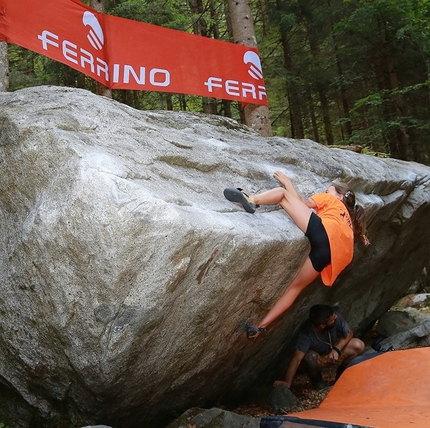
[126, 278]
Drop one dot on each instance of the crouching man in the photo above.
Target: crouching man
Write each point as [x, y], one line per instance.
[324, 339]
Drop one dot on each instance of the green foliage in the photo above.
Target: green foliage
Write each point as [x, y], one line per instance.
[26, 68]
[167, 13]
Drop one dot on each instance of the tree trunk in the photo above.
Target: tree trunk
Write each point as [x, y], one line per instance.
[313, 116]
[343, 95]
[293, 97]
[226, 107]
[209, 105]
[4, 68]
[326, 116]
[403, 140]
[325, 107]
[101, 89]
[200, 27]
[386, 75]
[182, 102]
[257, 117]
[214, 19]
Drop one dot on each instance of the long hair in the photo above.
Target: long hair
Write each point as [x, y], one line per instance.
[355, 211]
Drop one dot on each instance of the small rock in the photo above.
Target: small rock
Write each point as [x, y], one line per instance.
[282, 398]
[213, 418]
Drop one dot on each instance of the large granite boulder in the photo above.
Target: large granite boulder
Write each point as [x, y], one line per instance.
[126, 278]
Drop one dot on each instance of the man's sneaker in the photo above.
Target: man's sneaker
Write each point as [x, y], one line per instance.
[317, 382]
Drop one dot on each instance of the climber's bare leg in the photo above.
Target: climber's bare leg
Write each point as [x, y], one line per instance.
[293, 205]
[305, 276]
[296, 207]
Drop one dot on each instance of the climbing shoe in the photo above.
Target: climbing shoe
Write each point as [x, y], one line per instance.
[252, 331]
[237, 195]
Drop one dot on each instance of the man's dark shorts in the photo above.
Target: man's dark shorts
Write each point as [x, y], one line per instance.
[320, 245]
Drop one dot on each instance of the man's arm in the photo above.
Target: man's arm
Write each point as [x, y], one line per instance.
[293, 366]
[342, 343]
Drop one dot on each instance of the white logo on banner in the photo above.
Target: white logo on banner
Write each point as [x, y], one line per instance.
[88, 63]
[254, 68]
[242, 89]
[95, 33]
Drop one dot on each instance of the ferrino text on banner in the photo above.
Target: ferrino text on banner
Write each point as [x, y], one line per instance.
[125, 54]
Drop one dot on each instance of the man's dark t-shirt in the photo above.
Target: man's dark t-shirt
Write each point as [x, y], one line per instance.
[320, 342]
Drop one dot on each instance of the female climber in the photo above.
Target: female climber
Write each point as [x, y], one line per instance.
[328, 220]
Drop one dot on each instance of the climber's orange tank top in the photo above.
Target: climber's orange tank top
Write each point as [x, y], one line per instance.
[337, 223]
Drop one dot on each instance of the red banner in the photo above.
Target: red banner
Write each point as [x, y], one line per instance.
[125, 54]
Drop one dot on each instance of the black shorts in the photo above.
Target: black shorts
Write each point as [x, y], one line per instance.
[320, 246]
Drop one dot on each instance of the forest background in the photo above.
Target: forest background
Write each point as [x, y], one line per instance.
[339, 72]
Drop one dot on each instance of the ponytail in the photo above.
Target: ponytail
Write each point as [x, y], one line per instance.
[356, 212]
[359, 219]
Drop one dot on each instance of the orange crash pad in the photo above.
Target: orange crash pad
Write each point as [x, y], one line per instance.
[389, 391]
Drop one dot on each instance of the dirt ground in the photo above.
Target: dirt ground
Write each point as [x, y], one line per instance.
[308, 398]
